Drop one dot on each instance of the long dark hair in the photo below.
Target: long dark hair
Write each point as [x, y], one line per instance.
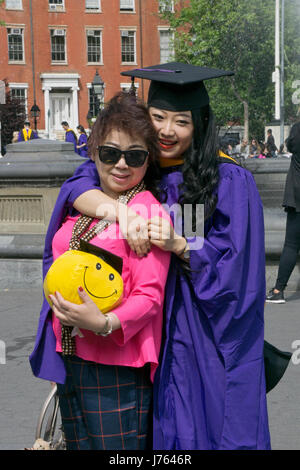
[124, 112]
[200, 168]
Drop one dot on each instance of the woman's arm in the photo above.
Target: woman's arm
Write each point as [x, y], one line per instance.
[134, 227]
[86, 315]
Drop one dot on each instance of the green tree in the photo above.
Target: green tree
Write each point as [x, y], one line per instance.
[237, 35]
[12, 116]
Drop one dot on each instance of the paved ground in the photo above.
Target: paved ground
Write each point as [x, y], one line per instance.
[22, 395]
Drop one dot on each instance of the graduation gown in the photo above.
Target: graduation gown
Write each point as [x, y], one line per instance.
[71, 137]
[83, 151]
[209, 389]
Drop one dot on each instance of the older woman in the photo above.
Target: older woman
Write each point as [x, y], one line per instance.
[105, 386]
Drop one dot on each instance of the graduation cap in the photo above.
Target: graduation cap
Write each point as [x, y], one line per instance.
[176, 86]
[113, 260]
[276, 362]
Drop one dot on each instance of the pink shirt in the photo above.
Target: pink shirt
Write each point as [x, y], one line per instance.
[138, 340]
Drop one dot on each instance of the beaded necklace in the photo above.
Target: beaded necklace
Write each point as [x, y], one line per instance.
[80, 232]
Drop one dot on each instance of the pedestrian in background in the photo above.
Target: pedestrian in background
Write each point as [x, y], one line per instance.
[70, 135]
[271, 147]
[27, 133]
[82, 142]
[291, 203]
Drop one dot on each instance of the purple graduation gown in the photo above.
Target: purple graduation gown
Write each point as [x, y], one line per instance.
[209, 390]
[83, 151]
[71, 137]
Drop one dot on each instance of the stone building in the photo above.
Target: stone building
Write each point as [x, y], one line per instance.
[50, 51]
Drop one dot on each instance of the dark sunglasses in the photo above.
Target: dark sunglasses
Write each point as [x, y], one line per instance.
[111, 155]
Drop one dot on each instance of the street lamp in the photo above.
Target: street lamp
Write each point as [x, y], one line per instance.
[98, 88]
[35, 113]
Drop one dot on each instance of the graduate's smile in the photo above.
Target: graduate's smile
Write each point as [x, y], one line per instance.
[167, 144]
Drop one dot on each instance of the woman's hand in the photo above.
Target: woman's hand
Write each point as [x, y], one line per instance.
[86, 315]
[135, 230]
[162, 234]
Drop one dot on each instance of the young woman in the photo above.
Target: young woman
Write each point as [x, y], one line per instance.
[209, 389]
[82, 142]
[105, 383]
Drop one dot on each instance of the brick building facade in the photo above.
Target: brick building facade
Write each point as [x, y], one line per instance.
[50, 51]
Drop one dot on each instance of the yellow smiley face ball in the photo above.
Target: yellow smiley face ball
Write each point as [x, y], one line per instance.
[75, 268]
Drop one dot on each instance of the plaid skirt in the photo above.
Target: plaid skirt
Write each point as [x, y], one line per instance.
[106, 407]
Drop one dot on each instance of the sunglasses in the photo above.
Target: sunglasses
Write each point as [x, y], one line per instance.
[111, 155]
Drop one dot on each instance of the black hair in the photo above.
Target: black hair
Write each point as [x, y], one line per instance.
[64, 123]
[81, 128]
[200, 168]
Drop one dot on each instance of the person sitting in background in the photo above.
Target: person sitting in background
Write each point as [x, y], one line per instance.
[263, 151]
[27, 133]
[245, 148]
[70, 135]
[254, 149]
[82, 142]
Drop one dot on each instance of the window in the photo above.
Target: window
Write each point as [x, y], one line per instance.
[19, 92]
[166, 38]
[166, 5]
[127, 86]
[94, 104]
[14, 4]
[94, 53]
[58, 45]
[126, 5]
[56, 5]
[128, 46]
[15, 44]
[92, 5]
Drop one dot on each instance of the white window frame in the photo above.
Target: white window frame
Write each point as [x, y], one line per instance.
[20, 7]
[166, 5]
[125, 86]
[93, 9]
[15, 27]
[91, 28]
[164, 29]
[56, 6]
[21, 86]
[53, 29]
[123, 30]
[127, 6]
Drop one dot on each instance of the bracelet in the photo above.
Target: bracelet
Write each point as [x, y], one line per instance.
[183, 250]
[107, 330]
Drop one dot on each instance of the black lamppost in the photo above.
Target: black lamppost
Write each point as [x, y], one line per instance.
[98, 88]
[35, 113]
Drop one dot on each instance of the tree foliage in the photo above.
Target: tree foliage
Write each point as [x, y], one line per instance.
[12, 116]
[239, 35]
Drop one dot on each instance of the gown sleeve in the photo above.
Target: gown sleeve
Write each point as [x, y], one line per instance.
[228, 277]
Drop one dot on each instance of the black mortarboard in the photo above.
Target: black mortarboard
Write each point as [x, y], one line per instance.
[276, 362]
[176, 86]
[113, 260]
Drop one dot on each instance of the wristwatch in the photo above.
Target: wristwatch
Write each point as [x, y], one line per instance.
[107, 330]
[186, 252]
